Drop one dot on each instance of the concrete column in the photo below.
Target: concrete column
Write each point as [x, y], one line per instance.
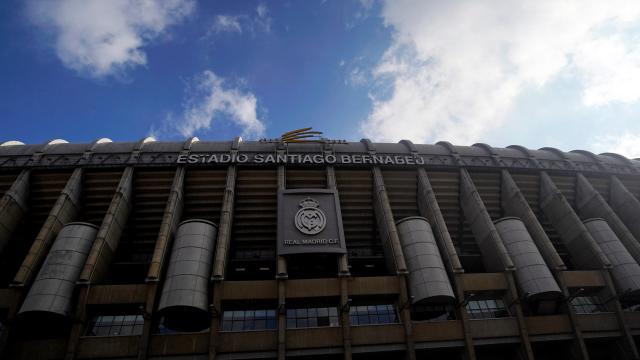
[515, 204]
[386, 225]
[281, 277]
[113, 224]
[64, 210]
[626, 206]
[494, 254]
[430, 209]
[627, 341]
[101, 254]
[516, 307]
[578, 348]
[592, 205]
[13, 207]
[226, 222]
[583, 249]
[170, 219]
[343, 274]
[393, 253]
[222, 254]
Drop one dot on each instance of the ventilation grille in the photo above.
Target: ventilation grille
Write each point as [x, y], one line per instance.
[306, 178]
[256, 207]
[601, 184]
[149, 198]
[97, 189]
[203, 193]
[401, 189]
[6, 180]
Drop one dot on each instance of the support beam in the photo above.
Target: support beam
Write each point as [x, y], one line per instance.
[584, 250]
[170, 219]
[386, 224]
[101, 254]
[281, 277]
[221, 255]
[515, 204]
[393, 253]
[343, 274]
[591, 204]
[64, 210]
[13, 207]
[494, 254]
[106, 243]
[626, 206]
[430, 209]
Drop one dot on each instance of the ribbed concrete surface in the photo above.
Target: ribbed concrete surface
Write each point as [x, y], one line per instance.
[532, 274]
[625, 270]
[428, 281]
[52, 290]
[184, 301]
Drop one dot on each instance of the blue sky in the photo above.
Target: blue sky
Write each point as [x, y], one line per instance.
[545, 73]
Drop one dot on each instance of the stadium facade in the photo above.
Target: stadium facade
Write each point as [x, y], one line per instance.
[280, 249]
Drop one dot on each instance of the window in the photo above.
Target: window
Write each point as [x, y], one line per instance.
[432, 312]
[588, 304]
[486, 308]
[115, 325]
[312, 317]
[628, 306]
[241, 320]
[373, 314]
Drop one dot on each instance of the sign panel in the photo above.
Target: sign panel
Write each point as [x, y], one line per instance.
[309, 221]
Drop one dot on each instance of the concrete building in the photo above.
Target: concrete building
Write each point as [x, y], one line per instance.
[317, 250]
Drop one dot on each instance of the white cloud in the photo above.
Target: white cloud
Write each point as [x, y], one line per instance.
[209, 101]
[101, 38]
[455, 69]
[627, 144]
[252, 23]
[226, 23]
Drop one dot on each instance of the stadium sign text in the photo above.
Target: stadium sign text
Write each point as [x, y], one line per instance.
[311, 159]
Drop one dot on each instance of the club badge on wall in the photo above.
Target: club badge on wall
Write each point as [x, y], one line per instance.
[310, 219]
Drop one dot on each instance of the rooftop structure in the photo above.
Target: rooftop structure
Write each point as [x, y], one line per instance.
[317, 249]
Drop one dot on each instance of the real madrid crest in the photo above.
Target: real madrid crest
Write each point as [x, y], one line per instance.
[310, 219]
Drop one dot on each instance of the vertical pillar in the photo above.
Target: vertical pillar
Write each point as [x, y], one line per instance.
[101, 253]
[583, 249]
[221, 255]
[281, 278]
[64, 210]
[494, 253]
[626, 206]
[430, 209]
[591, 204]
[514, 203]
[13, 207]
[343, 274]
[170, 220]
[393, 252]
[110, 231]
